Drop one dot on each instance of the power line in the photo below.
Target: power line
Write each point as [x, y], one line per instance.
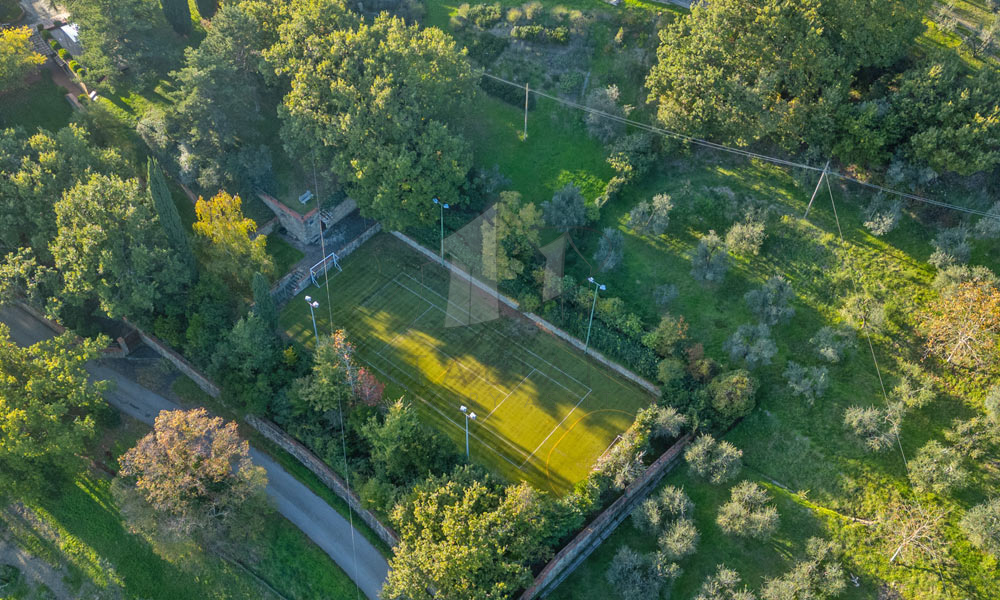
[740, 152]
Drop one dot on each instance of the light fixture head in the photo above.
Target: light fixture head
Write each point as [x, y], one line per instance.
[436, 201]
[463, 408]
[309, 298]
[472, 416]
[603, 287]
[446, 205]
[590, 279]
[314, 305]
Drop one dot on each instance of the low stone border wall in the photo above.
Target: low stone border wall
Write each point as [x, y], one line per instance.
[180, 362]
[593, 535]
[325, 474]
[540, 322]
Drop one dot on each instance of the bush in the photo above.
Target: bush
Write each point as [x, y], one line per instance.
[718, 462]
[54, 44]
[73, 65]
[509, 94]
[748, 512]
[47, 35]
[988, 227]
[770, 303]
[951, 247]
[808, 382]
[485, 16]
[746, 238]
[63, 53]
[663, 340]
[81, 99]
[882, 215]
[751, 344]
[981, 524]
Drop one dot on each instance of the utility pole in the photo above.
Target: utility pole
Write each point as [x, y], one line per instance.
[442, 205]
[313, 305]
[818, 183]
[526, 85]
[468, 416]
[598, 287]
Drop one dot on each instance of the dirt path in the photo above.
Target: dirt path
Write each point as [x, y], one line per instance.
[34, 570]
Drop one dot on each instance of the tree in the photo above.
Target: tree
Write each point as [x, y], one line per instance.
[207, 8]
[951, 247]
[48, 407]
[833, 343]
[882, 215]
[403, 450]
[227, 241]
[746, 237]
[771, 303]
[178, 14]
[121, 36]
[657, 512]
[988, 227]
[651, 217]
[819, 576]
[962, 326]
[718, 462]
[566, 210]
[668, 333]
[723, 585]
[466, 537]
[511, 239]
[17, 57]
[634, 576]
[110, 246]
[250, 367]
[605, 100]
[807, 382]
[378, 100]
[878, 428]
[981, 525]
[751, 344]
[732, 394]
[937, 468]
[710, 262]
[195, 472]
[263, 302]
[610, 249]
[912, 531]
[748, 512]
[166, 210]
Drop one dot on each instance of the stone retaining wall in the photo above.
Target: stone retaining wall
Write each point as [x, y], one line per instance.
[180, 362]
[325, 474]
[539, 321]
[575, 552]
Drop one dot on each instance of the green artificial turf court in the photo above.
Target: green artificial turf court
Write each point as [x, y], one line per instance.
[544, 411]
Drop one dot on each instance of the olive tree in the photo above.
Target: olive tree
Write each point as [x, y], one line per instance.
[749, 512]
[716, 461]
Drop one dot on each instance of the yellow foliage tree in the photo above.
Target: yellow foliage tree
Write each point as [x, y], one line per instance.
[17, 57]
[227, 241]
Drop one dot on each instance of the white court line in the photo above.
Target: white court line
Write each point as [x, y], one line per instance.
[508, 395]
[506, 337]
[409, 326]
[553, 431]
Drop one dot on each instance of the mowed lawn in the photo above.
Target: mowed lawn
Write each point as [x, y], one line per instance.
[545, 413]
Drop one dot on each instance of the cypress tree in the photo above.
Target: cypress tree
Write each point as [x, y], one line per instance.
[169, 219]
[207, 8]
[263, 302]
[178, 14]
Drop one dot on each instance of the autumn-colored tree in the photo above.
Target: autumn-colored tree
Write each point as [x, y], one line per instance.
[963, 326]
[46, 405]
[230, 248]
[195, 473]
[17, 57]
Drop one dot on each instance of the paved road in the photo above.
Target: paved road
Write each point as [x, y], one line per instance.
[310, 513]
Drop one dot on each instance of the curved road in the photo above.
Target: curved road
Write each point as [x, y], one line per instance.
[296, 502]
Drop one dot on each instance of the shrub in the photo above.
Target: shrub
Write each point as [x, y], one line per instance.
[746, 238]
[538, 33]
[751, 344]
[832, 344]
[937, 468]
[748, 512]
[664, 294]
[663, 340]
[770, 303]
[47, 35]
[63, 53]
[808, 382]
[951, 247]
[54, 44]
[988, 227]
[709, 262]
[718, 462]
[73, 65]
[485, 15]
[82, 98]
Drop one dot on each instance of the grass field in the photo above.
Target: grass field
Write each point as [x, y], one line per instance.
[545, 413]
[41, 104]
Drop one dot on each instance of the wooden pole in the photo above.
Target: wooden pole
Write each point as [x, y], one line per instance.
[525, 111]
[818, 183]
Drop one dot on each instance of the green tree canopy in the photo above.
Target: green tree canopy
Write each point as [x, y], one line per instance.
[46, 412]
[110, 245]
[17, 57]
[375, 102]
[227, 241]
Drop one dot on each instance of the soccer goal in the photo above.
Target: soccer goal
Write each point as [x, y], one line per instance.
[322, 266]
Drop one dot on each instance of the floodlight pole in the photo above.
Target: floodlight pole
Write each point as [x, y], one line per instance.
[468, 416]
[442, 205]
[598, 287]
[313, 305]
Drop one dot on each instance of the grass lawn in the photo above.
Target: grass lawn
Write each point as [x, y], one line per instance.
[545, 412]
[41, 104]
[80, 530]
[283, 254]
